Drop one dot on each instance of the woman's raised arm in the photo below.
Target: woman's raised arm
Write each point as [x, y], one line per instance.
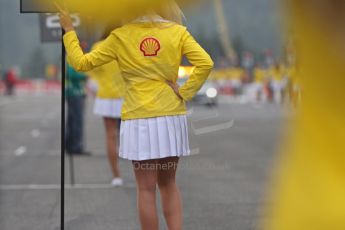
[105, 53]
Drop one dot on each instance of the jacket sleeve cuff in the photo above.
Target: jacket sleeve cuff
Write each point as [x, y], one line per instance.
[69, 34]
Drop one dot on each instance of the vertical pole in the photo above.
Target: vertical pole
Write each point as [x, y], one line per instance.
[63, 76]
[70, 155]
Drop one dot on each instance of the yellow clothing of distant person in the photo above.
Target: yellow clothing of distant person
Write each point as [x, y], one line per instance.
[293, 75]
[260, 75]
[109, 80]
[149, 54]
[235, 73]
[310, 191]
[276, 73]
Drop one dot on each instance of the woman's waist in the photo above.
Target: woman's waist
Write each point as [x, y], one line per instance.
[155, 101]
[141, 114]
[151, 95]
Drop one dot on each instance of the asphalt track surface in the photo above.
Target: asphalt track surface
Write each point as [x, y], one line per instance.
[223, 185]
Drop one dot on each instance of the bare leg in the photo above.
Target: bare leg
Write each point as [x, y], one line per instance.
[112, 136]
[170, 194]
[146, 177]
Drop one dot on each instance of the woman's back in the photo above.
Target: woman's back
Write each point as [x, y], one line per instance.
[149, 54]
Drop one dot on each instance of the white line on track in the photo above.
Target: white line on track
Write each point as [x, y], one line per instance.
[57, 186]
[213, 128]
[20, 151]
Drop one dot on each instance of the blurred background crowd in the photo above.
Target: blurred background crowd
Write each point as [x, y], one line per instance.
[255, 60]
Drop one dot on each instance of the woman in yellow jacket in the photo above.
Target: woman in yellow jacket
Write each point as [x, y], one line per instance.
[154, 132]
[108, 103]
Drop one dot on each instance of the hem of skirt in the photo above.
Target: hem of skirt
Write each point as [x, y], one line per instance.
[152, 115]
[109, 116]
[156, 158]
[117, 116]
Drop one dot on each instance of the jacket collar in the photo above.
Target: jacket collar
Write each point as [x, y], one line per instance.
[150, 18]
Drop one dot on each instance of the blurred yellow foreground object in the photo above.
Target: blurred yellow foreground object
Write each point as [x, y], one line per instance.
[113, 11]
[310, 191]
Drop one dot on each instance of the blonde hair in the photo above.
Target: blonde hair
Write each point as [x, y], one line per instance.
[170, 10]
[167, 9]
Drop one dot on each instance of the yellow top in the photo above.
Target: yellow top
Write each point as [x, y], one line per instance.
[260, 75]
[148, 54]
[293, 75]
[109, 80]
[235, 73]
[276, 73]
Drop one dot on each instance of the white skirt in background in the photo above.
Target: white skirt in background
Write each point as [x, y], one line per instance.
[108, 107]
[154, 138]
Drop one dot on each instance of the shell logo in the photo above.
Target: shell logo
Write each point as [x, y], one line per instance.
[150, 47]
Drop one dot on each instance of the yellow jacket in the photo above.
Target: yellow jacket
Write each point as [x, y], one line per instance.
[276, 73]
[148, 54]
[109, 79]
[260, 75]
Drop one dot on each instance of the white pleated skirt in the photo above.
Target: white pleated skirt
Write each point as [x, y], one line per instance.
[154, 138]
[108, 107]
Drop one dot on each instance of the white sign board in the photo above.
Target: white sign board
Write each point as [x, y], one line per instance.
[50, 26]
